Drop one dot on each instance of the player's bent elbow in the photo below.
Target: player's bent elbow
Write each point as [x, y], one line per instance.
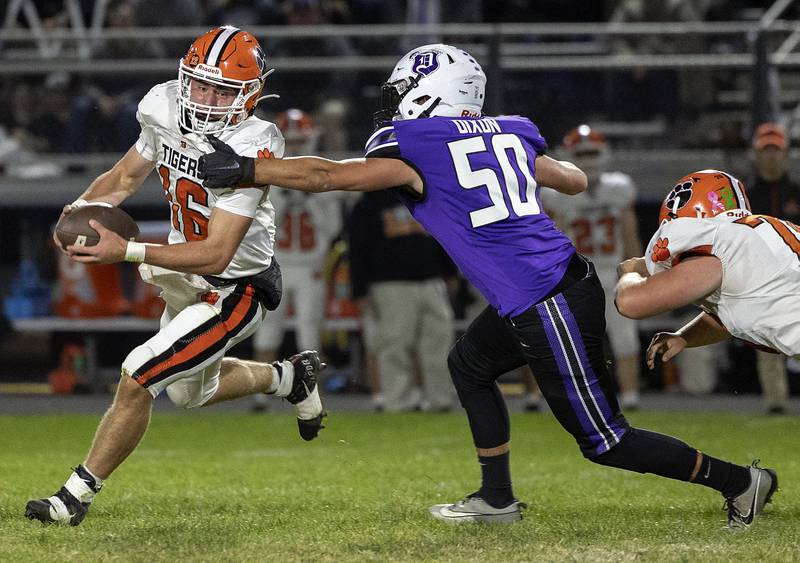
[216, 264]
[577, 183]
[217, 267]
[629, 306]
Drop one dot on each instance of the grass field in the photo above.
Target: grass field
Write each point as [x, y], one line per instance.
[211, 486]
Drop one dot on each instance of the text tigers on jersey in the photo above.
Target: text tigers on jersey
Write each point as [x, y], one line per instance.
[179, 161]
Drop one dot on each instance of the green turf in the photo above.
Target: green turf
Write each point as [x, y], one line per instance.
[209, 486]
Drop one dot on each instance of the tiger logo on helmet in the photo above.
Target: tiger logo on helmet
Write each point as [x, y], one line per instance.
[225, 57]
[704, 194]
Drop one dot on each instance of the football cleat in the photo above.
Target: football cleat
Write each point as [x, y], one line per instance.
[475, 509]
[746, 506]
[61, 508]
[305, 393]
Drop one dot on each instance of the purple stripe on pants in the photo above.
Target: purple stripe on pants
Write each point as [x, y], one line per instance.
[591, 377]
[563, 368]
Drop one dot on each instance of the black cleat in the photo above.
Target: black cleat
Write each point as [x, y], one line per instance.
[305, 393]
[61, 508]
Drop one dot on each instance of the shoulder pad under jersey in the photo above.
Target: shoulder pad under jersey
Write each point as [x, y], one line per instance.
[159, 107]
[617, 189]
[255, 138]
[679, 238]
[382, 140]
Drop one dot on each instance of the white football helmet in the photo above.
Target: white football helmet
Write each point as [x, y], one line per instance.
[433, 80]
[588, 149]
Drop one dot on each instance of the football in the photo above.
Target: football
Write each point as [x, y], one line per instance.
[74, 227]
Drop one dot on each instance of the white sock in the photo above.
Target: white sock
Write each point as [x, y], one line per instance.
[282, 378]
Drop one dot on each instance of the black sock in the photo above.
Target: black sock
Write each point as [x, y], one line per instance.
[650, 452]
[496, 480]
[725, 477]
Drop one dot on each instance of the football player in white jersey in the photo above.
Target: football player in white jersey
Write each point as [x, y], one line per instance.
[601, 222]
[742, 270]
[305, 228]
[217, 274]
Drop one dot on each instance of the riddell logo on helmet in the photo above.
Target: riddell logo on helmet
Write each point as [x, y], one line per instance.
[209, 69]
[737, 213]
[467, 113]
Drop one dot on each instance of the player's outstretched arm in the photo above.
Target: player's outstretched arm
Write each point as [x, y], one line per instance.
[223, 168]
[560, 175]
[639, 296]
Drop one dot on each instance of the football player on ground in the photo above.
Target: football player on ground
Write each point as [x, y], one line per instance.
[742, 270]
[601, 222]
[473, 182]
[217, 274]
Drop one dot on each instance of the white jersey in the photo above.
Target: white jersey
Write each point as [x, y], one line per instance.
[759, 299]
[176, 154]
[592, 219]
[306, 225]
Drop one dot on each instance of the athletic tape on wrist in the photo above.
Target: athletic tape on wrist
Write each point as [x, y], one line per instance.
[135, 251]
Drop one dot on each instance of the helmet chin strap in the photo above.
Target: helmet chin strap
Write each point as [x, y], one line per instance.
[429, 109]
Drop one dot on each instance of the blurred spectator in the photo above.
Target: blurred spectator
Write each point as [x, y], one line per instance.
[244, 13]
[328, 99]
[305, 226]
[19, 115]
[396, 272]
[643, 94]
[175, 13]
[104, 113]
[770, 189]
[772, 192]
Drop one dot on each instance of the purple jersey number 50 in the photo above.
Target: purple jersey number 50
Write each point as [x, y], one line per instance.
[488, 177]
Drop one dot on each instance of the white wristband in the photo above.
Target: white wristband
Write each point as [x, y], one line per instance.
[135, 252]
[80, 202]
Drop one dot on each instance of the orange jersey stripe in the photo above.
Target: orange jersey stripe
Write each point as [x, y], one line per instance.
[204, 341]
[702, 250]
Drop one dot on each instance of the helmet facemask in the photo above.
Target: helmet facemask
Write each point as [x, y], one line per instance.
[433, 80]
[224, 58]
[203, 119]
[393, 93]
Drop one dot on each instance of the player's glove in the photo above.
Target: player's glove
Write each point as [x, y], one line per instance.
[224, 168]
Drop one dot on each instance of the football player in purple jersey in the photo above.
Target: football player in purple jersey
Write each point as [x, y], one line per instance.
[473, 182]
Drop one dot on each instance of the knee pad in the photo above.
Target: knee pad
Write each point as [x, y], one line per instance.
[466, 370]
[192, 391]
[457, 366]
[181, 396]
